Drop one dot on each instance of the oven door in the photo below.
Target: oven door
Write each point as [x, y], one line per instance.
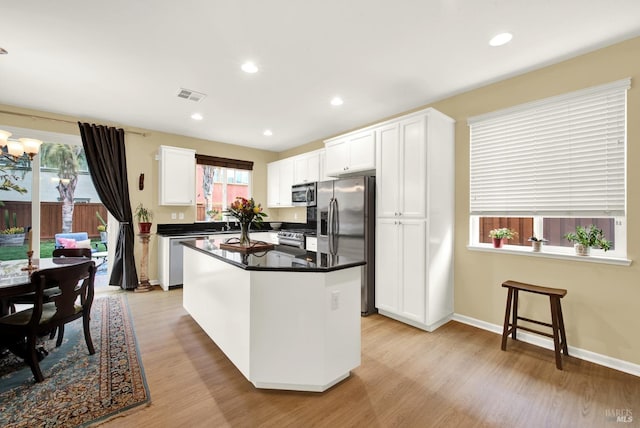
[290, 243]
[303, 195]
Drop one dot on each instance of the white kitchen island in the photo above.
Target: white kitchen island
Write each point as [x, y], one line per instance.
[285, 322]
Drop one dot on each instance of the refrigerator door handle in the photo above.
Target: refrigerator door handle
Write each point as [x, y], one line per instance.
[336, 218]
[330, 218]
[335, 226]
[330, 225]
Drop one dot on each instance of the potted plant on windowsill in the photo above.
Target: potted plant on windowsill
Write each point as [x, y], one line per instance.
[143, 215]
[586, 237]
[536, 243]
[501, 235]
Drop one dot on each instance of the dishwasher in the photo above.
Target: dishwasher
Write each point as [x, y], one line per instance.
[175, 258]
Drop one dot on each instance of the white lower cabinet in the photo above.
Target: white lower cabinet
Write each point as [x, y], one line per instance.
[311, 243]
[401, 268]
[269, 237]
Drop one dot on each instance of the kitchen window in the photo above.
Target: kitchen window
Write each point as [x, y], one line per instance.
[219, 181]
[545, 167]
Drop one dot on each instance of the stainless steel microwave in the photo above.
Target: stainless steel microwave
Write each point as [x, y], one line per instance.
[304, 195]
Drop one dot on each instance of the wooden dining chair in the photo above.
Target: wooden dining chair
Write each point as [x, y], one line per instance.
[72, 252]
[28, 299]
[76, 284]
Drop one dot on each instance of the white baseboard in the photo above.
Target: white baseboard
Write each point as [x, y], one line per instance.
[416, 324]
[534, 339]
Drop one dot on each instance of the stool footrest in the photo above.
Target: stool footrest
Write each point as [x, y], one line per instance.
[542, 333]
[546, 324]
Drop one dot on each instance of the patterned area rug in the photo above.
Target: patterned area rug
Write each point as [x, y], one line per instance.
[79, 389]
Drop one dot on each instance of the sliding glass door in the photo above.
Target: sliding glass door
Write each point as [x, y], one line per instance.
[56, 195]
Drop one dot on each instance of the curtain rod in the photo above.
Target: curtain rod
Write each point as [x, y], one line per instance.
[33, 116]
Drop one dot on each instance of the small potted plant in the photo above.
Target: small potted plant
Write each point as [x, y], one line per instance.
[501, 235]
[143, 215]
[12, 234]
[536, 243]
[102, 228]
[586, 237]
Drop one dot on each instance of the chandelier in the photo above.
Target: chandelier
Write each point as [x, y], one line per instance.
[19, 148]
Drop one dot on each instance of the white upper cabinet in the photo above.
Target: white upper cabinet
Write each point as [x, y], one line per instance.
[177, 176]
[402, 169]
[306, 168]
[279, 182]
[323, 167]
[388, 173]
[351, 153]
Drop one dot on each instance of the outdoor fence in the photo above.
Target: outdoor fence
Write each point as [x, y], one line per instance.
[84, 217]
[555, 228]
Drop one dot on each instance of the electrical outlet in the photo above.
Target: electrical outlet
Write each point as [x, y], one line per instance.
[181, 216]
[174, 216]
[335, 300]
[295, 216]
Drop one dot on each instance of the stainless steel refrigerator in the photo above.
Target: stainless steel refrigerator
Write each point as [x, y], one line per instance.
[346, 227]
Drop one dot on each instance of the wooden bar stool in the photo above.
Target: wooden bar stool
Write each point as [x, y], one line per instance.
[557, 323]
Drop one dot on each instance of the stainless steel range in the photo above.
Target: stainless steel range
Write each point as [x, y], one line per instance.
[292, 238]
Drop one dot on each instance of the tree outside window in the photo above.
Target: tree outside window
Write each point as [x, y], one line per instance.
[218, 188]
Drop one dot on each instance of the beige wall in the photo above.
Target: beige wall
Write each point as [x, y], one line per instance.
[601, 308]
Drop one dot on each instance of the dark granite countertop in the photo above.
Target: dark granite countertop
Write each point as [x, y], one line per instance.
[218, 227]
[281, 258]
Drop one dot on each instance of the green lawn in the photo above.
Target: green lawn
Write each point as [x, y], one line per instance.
[20, 252]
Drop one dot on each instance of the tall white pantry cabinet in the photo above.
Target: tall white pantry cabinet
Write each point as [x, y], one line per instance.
[414, 218]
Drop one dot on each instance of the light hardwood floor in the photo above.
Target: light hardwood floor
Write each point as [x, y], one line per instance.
[456, 376]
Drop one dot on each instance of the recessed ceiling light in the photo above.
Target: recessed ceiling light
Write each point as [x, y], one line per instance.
[249, 67]
[197, 116]
[337, 101]
[268, 132]
[501, 39]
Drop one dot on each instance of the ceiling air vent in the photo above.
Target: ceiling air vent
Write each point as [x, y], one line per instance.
[188, 94]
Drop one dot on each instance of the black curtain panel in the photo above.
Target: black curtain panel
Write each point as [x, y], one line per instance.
[105, 151]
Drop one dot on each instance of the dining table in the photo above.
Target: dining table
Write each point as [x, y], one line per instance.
[14, 280]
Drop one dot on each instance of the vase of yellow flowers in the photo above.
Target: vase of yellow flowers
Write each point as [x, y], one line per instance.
[248, 213]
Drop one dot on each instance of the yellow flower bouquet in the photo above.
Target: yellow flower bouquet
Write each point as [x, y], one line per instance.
[248, 213]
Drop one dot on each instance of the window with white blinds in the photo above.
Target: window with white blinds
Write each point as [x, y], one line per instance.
[562, 156]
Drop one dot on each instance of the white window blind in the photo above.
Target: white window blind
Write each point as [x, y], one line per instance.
[562, 156]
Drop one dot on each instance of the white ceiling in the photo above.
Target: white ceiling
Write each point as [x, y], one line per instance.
[124, 61]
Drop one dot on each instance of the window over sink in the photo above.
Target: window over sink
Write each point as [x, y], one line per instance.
[219, 181]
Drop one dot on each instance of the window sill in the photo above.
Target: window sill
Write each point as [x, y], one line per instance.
[526, 251]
